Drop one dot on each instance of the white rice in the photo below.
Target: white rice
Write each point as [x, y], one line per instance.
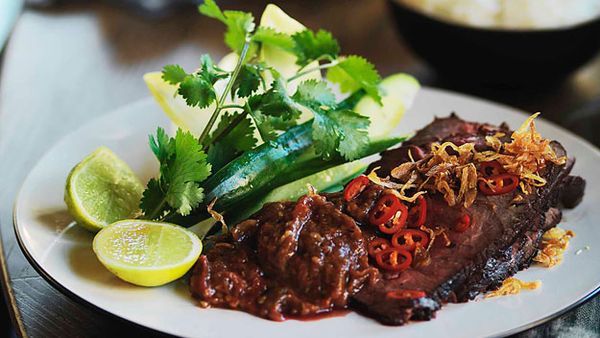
[510, 14]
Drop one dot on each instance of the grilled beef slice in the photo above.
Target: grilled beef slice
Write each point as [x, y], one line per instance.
[308, 257]
[503, 238]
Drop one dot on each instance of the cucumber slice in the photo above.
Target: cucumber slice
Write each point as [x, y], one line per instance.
[321, 181]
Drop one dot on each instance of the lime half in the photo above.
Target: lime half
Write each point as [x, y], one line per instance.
[102, 189]
[147, 253]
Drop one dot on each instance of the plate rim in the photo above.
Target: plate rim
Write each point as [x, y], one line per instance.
[80, 300]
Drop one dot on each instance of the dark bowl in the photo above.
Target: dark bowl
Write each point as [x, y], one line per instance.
[499, 57]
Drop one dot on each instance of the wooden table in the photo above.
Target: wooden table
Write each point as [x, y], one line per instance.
[67, 65]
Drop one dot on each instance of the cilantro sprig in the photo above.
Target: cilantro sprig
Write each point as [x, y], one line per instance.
[182, 167]
[262, 101]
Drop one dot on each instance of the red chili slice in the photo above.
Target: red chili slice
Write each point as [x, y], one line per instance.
[388, 259]
[385, 209]
[355, 187]
[500, 184]
[405, 294]
[463, 223]
[377, 245]
[410, 238]
[398, 221]
[418, 213]
[491, 168]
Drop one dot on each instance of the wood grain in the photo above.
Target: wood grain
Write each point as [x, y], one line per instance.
[70, 64]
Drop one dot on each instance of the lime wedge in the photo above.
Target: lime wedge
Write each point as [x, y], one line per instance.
[147, 253]
[102, 189]
[399, 91]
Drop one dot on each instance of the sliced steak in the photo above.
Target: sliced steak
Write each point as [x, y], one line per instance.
[450, 128]
[502, 239]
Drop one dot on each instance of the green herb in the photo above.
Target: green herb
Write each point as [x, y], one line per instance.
[248, 80]
[262, 101]
[233, 135]
[354, 73]
[270, 37]
[183, 167]
[196, 88]
[311, 47]
[238, 24]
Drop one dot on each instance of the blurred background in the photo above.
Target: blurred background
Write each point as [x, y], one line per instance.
[87, 57]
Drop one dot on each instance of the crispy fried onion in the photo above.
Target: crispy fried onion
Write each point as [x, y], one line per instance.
[513, 286]
[216, 216]
[451, 170]
[397, 189]
[524, 156]
[554, 243]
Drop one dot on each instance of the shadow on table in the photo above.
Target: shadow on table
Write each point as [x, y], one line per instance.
[75, 244]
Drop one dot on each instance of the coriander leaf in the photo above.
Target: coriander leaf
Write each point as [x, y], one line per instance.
[247, 81]
[241, 136]
[353, 129]
[239, 24]
[343, 131]
[275, 102]
[173, 74]
[266, 109]
[269, 125]
[238, 136]
[212, 10]
[153, 201]
[310, 46]
[161, 146]
[182, 167]
[197, 91]
[325, 135]
[185, 197]
[197, 88]
[273, 38]
[209, 71]
[315, 95]
[186, 168]
[355, 72]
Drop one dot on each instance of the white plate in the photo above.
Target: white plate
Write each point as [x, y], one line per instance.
[62, 252]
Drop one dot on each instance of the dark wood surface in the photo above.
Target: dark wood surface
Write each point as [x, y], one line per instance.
[66, 65]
